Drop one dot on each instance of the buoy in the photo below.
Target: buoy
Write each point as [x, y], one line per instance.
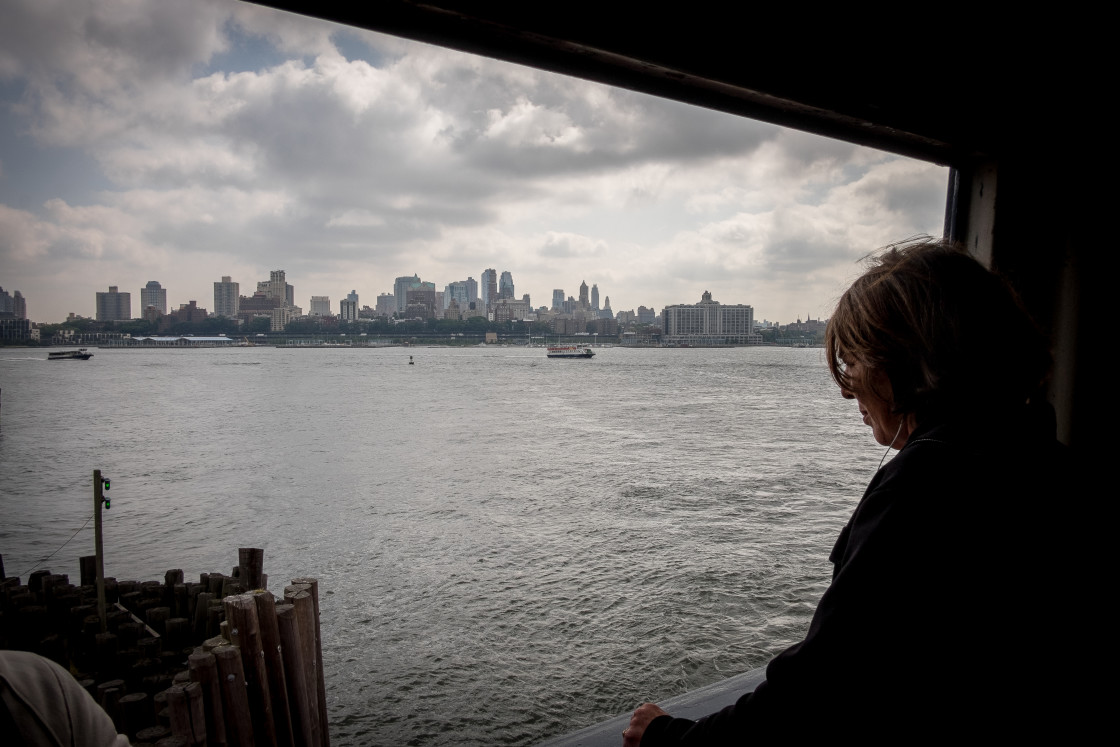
[410, 361]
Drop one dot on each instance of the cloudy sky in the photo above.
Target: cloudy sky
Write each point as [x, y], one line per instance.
[182, 141]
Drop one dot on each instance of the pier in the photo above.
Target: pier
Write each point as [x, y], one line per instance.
[218, 661]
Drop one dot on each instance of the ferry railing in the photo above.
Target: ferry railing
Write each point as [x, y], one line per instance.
[694, 704]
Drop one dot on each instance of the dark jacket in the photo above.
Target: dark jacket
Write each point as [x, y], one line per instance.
[948, 594]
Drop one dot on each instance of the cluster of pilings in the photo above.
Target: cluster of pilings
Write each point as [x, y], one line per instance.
[217, 662]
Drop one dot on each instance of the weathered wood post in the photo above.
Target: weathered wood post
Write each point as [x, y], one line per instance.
[321, 686]
[274, 661]
[250, 566]
[204, 671]
[241, 613]
[98, 553]
[304, 708]
[188, 720]
[235, 697]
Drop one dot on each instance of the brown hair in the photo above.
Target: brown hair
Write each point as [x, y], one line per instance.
[948, 334]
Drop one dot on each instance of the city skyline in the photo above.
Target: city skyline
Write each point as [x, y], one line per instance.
[248, 139]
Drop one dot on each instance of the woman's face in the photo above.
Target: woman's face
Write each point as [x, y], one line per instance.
[871, 389]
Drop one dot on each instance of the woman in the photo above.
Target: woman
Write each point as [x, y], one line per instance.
[932, 625]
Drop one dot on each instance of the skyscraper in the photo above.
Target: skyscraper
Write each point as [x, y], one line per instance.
[505, 286]
[320, 306]
[227, 301]
[401, 287]
[114, 306]
[153, 294]
[583, 301]
[557, 298]
[489, 287]
[595, 297]
[352, 296]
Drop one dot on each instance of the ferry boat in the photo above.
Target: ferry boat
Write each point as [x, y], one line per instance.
[570, 351]
[81, 354]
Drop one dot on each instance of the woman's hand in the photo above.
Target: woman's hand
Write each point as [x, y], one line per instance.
[644, 713]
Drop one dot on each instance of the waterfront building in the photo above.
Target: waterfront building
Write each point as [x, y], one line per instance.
[320, 306]
[510, 309]
[12, 306]
[462, 291]
[505, 285]
[557, 298]
[153, 294]
[226, 298]
[421, 302]
[187, 312]
[386, 304]
[279, 318]
[277, 287]
[489, 287]
[15, 330]
[114, 306]
[595, 297]
[646, 316]
[401, 287]
[709, 323]
[348, 310]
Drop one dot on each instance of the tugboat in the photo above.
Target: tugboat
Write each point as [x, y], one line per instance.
[81, 354]
[570, 351]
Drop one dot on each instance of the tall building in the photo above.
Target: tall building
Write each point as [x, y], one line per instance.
[348, 309]
[583, 300]
[352, 296]
[153, 294]
[709, 323]
[227, 302]
[462, 291]
[386, 304]
[489, 287]
[320, 306]
[595, 297]
[277, 287]
[401, 287]
[114, 306]
[505, 285]
[557, 298]
[13, 306]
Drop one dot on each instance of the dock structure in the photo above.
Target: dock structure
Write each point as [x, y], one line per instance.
[220, 661]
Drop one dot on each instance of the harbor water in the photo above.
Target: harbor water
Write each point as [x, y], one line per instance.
[509, 547]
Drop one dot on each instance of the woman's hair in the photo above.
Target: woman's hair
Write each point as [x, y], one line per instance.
[948, 334]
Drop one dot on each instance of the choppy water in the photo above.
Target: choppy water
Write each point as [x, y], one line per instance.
[510, 548]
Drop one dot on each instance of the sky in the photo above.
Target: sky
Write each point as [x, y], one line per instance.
[184, 141]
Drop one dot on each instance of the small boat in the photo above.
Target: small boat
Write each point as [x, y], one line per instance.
[570, 351]
[81, 354]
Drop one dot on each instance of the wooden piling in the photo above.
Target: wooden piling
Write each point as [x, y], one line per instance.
[250, 564]
[188, 719]
[274, 663]
[204, 671]
[235, 697]
[136, 712]
[304, 705]
[241, 612]
[321, 685]
[98, 550]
